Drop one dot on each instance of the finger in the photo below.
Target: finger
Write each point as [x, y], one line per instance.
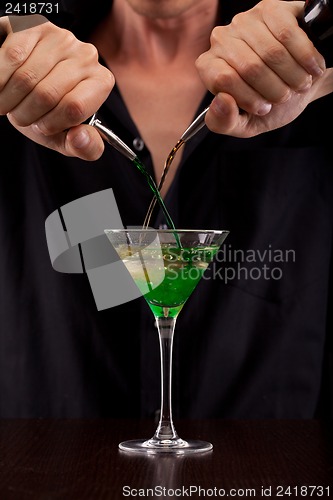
[15, 50]
[220, 77]
[76, 106]
[47, 90]
[224, 117]
[83, 141]
[268, 65]
[300, 47]
[253, 70]
[26, 79]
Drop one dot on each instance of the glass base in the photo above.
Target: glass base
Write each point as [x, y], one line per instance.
[165, 446]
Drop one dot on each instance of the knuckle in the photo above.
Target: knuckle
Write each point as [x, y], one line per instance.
[215, 35]
[285, 35]
[69, 37]
[239, 19]
[75, 111]
[67, 40]
[222, 81]
[24, 80]
[46, 97]
[250, 71]
[270, 4]
[108, 79]
[15, 55]
[275, 54]
[91, 51]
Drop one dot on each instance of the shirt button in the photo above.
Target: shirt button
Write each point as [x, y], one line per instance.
[138, 144]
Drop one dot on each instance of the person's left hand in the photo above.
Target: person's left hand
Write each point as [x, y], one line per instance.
[262, 69]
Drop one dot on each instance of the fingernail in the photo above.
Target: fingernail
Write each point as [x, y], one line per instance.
[81, 140]
[39, 126]
[36, 128]
[219, 105]
[264, 109]
[306, 85]
[316, 68]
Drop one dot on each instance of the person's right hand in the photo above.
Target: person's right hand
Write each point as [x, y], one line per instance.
[50, 83]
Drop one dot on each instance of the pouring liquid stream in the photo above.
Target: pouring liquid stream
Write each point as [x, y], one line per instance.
[118, 144]
[195, 126]
[110, 137]
[156, 192]
[166, 168]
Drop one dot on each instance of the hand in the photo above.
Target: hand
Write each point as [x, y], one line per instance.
[50, 83]
[263, 64]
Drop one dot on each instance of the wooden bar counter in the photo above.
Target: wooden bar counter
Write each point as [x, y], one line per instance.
[80, 460]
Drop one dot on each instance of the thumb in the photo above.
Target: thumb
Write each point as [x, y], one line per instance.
[225, 117]
[84, 142]
[223, 114]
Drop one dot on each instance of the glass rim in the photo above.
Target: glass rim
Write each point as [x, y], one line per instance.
[207, 231]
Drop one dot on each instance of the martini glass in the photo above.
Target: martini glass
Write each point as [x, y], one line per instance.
[166, 266]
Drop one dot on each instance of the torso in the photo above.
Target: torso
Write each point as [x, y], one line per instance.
[154, 67]
[162, 108]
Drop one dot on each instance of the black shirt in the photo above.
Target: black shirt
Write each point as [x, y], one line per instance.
[254, 339]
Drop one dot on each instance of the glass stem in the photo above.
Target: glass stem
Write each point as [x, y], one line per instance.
[165, 429]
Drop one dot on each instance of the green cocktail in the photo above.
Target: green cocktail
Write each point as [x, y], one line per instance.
[182, 270]
[166, 266]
